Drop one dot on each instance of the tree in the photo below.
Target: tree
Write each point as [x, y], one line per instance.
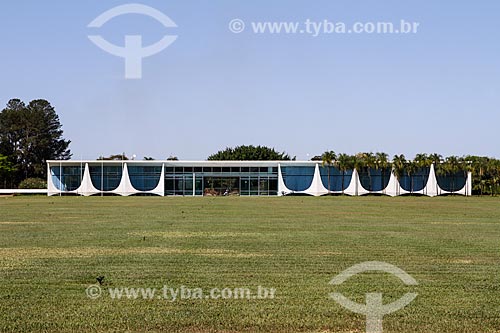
[411, 170]
[343, 163]
[421, 163]
[435, 159]
[369, 163]
[6, 170]
[382, 163]
[249, 153]
[382, 160]
[328, 159]
[29, 136]
[398, 166]
[115, 157]
[451, 166]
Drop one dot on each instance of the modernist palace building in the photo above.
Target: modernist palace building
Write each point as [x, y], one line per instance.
[244, 178]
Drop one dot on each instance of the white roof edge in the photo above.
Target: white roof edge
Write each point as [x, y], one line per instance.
[180, 162]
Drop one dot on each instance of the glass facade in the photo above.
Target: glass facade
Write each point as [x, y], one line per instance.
[208, 178]
[67, 178]
[339, 180]
[374, 179]
[415, 182]
[297, 178]
[106, 177]
[221, 181]
[144, 178]
[452, 182]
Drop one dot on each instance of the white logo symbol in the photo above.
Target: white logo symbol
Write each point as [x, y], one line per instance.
[133, 52]
[93, 291]
[374, 309]
[236, 26]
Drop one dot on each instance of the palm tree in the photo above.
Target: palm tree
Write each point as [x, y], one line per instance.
[327, 159]
[382, 163]
[452, 166]
[382, 160]
[496, 175]
[411, 168]
[398, 166]
[357, 162]
[369, 161]
[422, 162]
[343, 163]
[436, 159]
[485, 171]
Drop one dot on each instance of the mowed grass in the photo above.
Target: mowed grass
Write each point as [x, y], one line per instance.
[53, 248]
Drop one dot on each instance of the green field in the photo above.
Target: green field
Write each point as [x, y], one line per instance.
[52, 249]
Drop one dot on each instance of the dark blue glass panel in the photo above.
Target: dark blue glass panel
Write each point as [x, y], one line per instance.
[374, 179]
[452, 182]
[144, 178]
[416, 182]
[106, 178]
[336, 178]
[297, 178]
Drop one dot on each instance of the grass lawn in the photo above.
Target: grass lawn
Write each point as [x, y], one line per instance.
[53, 248]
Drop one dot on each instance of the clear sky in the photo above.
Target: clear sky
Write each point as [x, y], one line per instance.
[434, 91]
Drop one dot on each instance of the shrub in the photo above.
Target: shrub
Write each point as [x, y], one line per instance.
[33, 183]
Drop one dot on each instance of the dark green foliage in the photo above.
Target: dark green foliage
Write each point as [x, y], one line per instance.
[486, 174]
[29, 136]
[6, 171]
[116, 157]
[5, 165]
[249, 153]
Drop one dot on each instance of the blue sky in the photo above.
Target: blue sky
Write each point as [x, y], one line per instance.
[434, 91]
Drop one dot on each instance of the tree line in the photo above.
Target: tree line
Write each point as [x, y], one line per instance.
[485, 170]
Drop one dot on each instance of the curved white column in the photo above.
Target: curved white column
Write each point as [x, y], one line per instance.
[432, 189]
[393, 187]
[160, 188]
[86, 188]
[316, 189]
[352, 189]
[125, 187]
